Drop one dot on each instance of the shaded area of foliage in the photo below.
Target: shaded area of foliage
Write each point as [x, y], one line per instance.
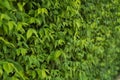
[59, 39]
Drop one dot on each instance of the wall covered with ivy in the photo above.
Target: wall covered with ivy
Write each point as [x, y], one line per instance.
[59, 39]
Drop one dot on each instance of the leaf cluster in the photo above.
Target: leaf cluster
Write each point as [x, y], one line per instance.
[59, 39]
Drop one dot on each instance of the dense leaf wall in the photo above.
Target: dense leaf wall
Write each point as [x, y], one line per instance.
[59, 39]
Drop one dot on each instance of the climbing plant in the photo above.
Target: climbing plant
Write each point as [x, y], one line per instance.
[59, 39]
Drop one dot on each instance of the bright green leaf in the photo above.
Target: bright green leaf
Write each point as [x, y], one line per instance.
[1, 71]
[57, 54]
[29, 33]
[43, 73]
[7, 67]
[6, 4]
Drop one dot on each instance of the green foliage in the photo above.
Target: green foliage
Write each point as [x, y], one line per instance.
[59, 39]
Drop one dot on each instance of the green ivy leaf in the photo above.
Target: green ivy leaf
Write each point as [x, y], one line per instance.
[57, 54]
[23, 51]
[30, 32]
[8, 67]
[1, 71]
[43, 73]
[6, 4]
[16, 65]
[20, 6]
[41, 11]
[4, 16]
[11, 24]
[6, 42]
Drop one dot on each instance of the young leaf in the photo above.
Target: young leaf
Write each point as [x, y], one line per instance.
[29, 33]
[6, 42]
[4, 16]
[20, 6]
[1, 71]
[57, 54]
[43, 73]
[7, 67]
[11, 25]
[6, 4]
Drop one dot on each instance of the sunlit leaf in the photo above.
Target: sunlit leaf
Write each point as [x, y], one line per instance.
[11, 24]
[8, 67]
[6, 42]
[29, 33]
[6, 4]
[20, 6]
[4, 16]
[1, 71]
[57, 54]
[43, 73]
